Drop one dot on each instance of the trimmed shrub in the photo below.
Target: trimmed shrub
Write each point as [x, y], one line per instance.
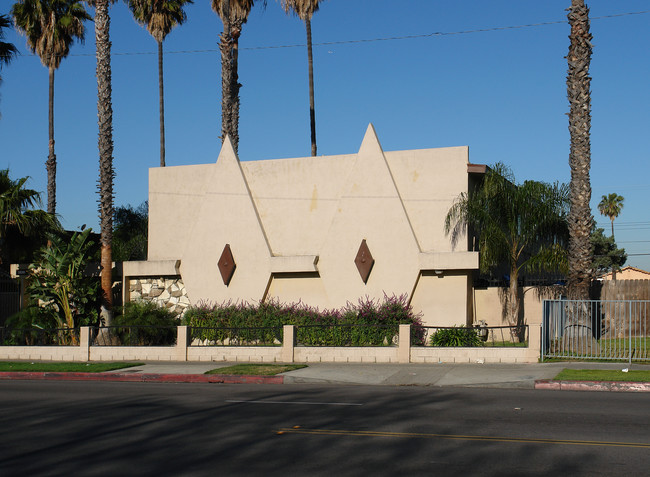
[456, 336]
[145, 323]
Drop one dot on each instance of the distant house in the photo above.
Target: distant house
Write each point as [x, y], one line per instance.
[627, 273]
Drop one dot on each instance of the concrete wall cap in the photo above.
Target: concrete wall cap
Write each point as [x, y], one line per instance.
[151, 268]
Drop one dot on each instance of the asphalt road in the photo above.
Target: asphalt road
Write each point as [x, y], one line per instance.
[94, 428]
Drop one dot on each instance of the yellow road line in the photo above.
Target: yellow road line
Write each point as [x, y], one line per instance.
[343, 432]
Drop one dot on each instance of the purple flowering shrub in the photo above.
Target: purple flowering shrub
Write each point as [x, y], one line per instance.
[367, 323]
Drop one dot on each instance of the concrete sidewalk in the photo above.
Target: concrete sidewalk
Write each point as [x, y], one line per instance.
[525, 376]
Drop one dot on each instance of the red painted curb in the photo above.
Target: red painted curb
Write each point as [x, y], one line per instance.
[616, 386]
[145, 378]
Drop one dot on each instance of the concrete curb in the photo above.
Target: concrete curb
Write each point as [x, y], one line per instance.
[616, 386]
[145, 377]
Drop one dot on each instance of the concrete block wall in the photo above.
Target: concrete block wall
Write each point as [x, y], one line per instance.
[244, 354]
[287, 352]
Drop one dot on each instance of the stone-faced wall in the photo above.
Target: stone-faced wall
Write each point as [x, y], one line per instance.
[167, 291]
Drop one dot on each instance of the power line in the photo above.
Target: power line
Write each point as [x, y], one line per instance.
[370, 40]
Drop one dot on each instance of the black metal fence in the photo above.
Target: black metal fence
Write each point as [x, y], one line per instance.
[39, 337]
[133, 336]
[347, 335]
[242, 336]
[476, 336]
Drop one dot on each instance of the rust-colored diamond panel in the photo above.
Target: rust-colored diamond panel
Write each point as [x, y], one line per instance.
[226, 265]
[364, 261]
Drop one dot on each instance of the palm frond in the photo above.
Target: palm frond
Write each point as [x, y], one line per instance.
[239, 9]
[159, 16]
[303, 9]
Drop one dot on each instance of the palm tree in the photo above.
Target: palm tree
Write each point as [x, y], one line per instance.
[305, 9]
[523, 226]
[578, 92]
[233, 14]
[7, 50]
[50, 26]
[610, 206]
[159, 17]
[105, 142]
[18, 209]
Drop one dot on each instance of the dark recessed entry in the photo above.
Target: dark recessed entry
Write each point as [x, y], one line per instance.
[226, 265]
[364, 261]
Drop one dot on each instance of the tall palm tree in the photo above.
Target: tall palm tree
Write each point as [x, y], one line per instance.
[159, 17]
[105, 143]
[233, 14]
[50, 26]
[523, 226]
[305, 9]
[610, 206]
[579, 94]
[7, 50]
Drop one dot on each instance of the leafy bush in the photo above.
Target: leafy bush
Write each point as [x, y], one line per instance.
[145, 323]
[26, 327]
[459, 337]
[57, 282]
[367, 323]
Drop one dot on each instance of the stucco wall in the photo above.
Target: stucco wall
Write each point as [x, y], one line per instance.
[488, 304]
[294, 227]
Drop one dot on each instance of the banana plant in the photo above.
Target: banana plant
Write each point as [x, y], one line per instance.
[59, 281]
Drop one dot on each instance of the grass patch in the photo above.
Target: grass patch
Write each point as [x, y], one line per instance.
[257, 369]
[603, 375]
[9, 366]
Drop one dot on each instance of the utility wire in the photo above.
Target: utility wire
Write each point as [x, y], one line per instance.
[370, 40]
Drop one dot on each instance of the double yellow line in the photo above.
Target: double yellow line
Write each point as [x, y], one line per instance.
[343, 432]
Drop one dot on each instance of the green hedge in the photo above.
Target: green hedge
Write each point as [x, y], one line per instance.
[456, 336]
[366, 323]
[142, 323]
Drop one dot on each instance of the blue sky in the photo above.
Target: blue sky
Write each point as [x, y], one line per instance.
[501, 92]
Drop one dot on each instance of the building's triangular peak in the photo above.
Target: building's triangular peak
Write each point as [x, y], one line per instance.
[369, 209]
[227, 151]
[370, 144]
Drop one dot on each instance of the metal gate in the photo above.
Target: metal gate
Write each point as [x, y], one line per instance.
[596, 329]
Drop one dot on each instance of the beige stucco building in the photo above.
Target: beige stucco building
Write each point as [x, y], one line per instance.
[293, 229]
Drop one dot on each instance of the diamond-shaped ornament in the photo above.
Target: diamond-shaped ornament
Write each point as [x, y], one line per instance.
[364, 261]
[226, 265]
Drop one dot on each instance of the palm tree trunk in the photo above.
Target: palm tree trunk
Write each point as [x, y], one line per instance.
[162, 104]
[312, 111]
[612, 228]
[578, 335]
[578, 91]
[235, 31]
[514, 305]
[105, 120]
[50, 164]
[226, 72]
